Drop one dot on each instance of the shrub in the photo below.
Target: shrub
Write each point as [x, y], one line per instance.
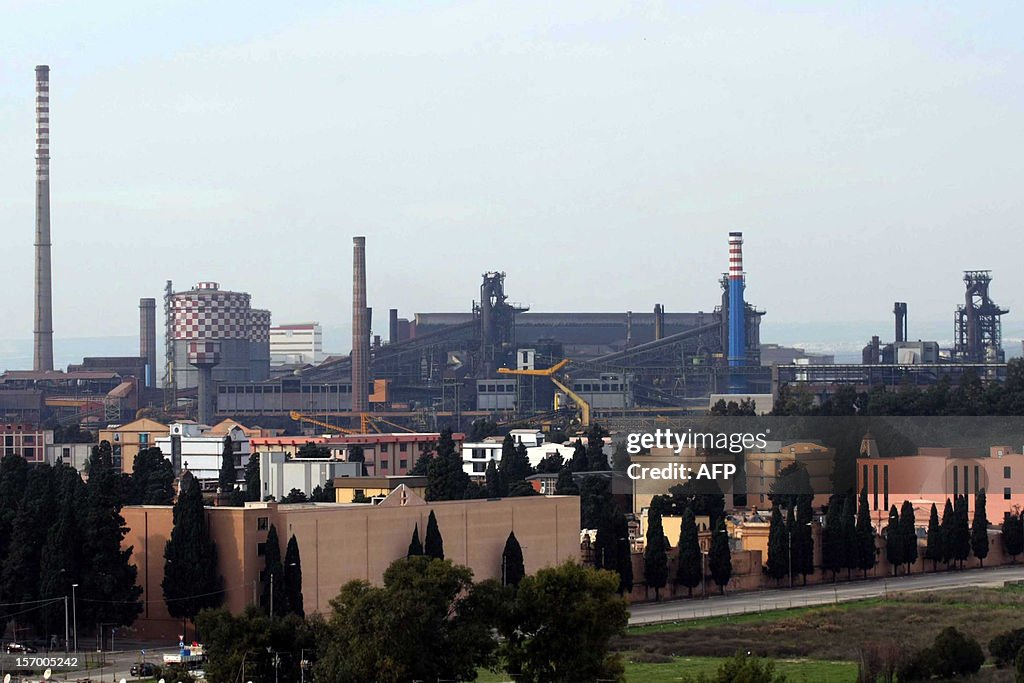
[1005, 646]
[951, 655]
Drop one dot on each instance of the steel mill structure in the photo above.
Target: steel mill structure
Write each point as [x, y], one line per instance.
[360, 362]
[42, 331]
[147, 339]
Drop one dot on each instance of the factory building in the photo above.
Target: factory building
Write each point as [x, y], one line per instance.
[190, 446]
[26, 440]
[299, 344]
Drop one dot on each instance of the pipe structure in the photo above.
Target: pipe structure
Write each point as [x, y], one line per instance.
[737, 308]
[147, 338]
[42, 332]
[360, 329]
[659, 322]
[900, 310]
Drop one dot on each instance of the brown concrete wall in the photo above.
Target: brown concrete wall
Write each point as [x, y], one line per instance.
[339, 543]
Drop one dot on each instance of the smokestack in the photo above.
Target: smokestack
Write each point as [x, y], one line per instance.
[659, 322]
[147, 338]
[42, 331]
[360, 329]
[900, 310]
[393, 326]
[737, 308]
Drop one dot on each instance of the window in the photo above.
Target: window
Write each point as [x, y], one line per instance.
[1006, 493]
[976, 479]
[383, 464]
[383, 448]
[956, 481]
[479, 467]
[885, 486]
[262, 523]
[143, 438]
[261, 549]
[403, 447]
[1006, 473]
[359, 493]
[874, 477]
[403, 464]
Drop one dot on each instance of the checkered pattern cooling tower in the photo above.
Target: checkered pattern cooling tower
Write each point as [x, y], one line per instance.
[259, 325]
[207, 312]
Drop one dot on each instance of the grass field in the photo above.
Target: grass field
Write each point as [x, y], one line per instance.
[672, 671]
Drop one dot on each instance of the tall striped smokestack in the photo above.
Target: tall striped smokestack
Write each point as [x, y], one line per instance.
[42, 330]
[737, 308]
[360, 329]
[147, 338]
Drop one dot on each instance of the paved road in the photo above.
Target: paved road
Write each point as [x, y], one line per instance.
[740, 603]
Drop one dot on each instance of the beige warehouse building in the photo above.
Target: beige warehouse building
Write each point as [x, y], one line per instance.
[339, 543]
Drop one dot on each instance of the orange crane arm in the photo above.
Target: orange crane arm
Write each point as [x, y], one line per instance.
[546, 372]
[299, 417]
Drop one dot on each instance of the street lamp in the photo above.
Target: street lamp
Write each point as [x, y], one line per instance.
[277, 660]
[74, 611]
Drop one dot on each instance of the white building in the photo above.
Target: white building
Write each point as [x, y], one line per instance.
[299, 344]
[74, 454]
[279, 474]
[191, 446]
[475, 456]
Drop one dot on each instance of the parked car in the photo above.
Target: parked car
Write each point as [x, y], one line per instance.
[144, 669]
[20, 648]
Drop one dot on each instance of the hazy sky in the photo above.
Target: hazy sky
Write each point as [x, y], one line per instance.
[597, 152]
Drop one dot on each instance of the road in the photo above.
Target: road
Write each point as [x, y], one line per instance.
[759, 601]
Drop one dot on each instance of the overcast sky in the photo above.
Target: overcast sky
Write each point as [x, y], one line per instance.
[597, 152]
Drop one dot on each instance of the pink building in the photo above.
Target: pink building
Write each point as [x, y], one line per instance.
[934, 474]
[391, 454]
[27, 440]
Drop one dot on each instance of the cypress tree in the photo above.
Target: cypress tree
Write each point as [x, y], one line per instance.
[446, 479]
[778, 551]
[415, 547]
[152, 479]
[508, 453]
[20, 574]
[948, 529]
[566, 485]
[597, 461]
[434, 544]
[961, 531]
[514, 466]
[803, 538]
[894, 540]
[108, 587]
[227, 476]
[655, 555]
[934, 551]
[512, 567]
[865, 550]
[690, 563]
[273, 599]
[252, 478]
[1013, 535]
[908, 534]
[191, 580]
[293, 578]
[61, 562]
[13, 478]
[720, 557]
[831, 537]
[579, 462]
[624, 554]
[979, 529]
[604, 542]
[850, 534]
[492, 480]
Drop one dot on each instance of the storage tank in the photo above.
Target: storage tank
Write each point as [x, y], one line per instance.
[209, 313]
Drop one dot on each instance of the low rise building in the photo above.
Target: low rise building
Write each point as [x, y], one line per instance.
[340, 543]
[390, 454]
[763, 466]
[74, 454]
[126, 440]
[352, 489]
[191, 446]
[25, 439]
[280, 474]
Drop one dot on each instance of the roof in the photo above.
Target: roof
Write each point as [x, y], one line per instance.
[390, 437]
[379, 482]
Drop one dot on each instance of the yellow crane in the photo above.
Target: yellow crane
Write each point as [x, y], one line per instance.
[366, 423]
[583, 406]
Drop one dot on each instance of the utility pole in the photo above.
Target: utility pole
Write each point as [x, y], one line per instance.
[66, 632]
[74, 612]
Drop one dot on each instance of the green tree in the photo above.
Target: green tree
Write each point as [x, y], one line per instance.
[948, 528]
[152, 480]
[623, 554]
[13, 478]
[597, 461]
[426, 623]
[894, 545]
[552, 463]
[446, 479]
[655, 555]
[849, 531]
[803, 539]
[933, 551]
[191, 581]
[250, 641]
[433, 545]
[1013, 535]
[61, 561]
[513, 570]
[742, 668]
[415, 547]
[570, 643]
[778, 546]
[689, 567]
[319, 451]
[107, 591]
[293, 579]
[273, 596]
[514, 466]
[865, 549]
[832, 549]
[908, 534]
[720, 557]
[595, 501]
[357, 454]
[20, 575]
[252, 478]
[566, 485]
[492, 480]
[961, 531]
[579, 462]
[295, 496]
[979, 529]
[228, 475]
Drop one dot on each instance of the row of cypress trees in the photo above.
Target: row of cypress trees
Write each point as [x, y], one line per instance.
[690, 565]
[513, 568]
